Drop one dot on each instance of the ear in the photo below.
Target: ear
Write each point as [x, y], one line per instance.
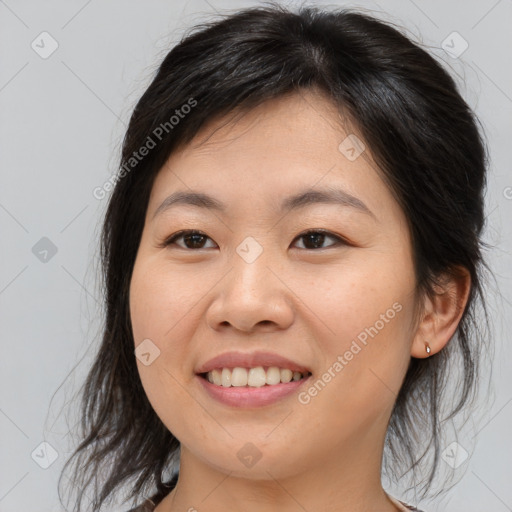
[442, 313]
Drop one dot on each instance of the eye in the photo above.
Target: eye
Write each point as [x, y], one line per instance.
[316, 237]
[193, 239]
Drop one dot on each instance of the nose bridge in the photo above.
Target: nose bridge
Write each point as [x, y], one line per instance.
[251, 278]
[251, 294]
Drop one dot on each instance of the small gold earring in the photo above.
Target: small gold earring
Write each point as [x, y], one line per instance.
[427, 348]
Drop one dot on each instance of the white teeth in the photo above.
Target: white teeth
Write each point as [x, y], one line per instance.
[273, 376]
[239, 377]
[253, 377]
[226, 377]
[216, 377]
[286, 375]
[257, 377]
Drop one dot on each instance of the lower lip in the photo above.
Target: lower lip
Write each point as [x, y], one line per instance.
[251, 397]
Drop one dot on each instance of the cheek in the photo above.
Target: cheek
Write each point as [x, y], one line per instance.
[365, 312]
[162, 310]
[357, 295]
[164, 317]
[159, 299]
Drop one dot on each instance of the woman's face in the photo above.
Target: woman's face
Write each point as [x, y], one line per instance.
[250, 282]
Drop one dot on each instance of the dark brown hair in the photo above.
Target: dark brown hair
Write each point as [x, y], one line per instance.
[428, 147]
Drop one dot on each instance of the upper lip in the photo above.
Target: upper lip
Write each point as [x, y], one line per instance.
[250, 360]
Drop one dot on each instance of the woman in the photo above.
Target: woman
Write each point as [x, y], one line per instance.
[292, 260]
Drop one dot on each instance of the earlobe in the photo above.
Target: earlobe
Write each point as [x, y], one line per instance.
[424, 351]
[443, 313]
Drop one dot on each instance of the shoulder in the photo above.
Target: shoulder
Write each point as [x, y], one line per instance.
[149, 504]
[409, 507]
[404, 507]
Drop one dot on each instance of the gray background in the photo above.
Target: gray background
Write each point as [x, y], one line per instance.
[61, 123]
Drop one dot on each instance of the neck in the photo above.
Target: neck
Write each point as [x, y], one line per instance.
[347, 480]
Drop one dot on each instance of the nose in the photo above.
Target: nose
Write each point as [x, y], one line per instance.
[252, 297]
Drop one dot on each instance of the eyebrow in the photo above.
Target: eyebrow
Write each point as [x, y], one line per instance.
[295, 202]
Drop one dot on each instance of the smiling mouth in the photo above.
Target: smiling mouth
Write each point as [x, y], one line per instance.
[252, 377]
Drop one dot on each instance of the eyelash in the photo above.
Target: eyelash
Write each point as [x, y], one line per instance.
[180, 234]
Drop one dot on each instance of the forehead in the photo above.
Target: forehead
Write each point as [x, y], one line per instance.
[283, 146]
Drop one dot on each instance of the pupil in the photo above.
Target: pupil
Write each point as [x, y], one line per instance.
[197, 245]
[312, 237]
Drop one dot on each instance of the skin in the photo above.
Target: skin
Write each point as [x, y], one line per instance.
[306, 302]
